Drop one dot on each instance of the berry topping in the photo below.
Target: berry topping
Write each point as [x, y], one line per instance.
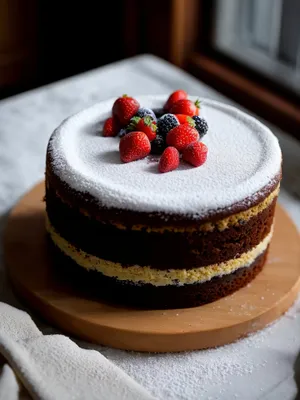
[167, 132]
[195, 154]
[174, 97]
[158, 145]
[166, 123]
[201, 125]
[134, 146]
[111, 127]
[169, 160]
[181, 136]
[145, 124]
[124, 109]
[144, 112]
[186, 107]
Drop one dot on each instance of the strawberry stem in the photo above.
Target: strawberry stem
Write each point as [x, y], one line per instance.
[153, 127]
[190, 121]
[197, 103]
[133, 123]
[148, 120]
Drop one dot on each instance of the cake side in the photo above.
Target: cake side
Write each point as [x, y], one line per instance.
[94, 284]
[164, 246]
[165, 255]
[150, 275]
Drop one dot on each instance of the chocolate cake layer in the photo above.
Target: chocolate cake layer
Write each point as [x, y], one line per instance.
[160, 250]
[96, 285]
[93, 207]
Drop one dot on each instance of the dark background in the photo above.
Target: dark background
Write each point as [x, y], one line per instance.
[42, 41]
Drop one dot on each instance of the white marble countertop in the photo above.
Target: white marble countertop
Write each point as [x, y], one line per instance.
[259, 367]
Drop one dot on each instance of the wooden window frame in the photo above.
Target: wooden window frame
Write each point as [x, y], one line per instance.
[191, 48]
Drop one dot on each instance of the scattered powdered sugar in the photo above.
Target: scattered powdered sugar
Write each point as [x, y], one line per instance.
[244, 369]
[244, 156]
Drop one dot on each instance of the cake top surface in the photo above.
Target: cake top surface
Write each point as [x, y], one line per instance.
[243, 158]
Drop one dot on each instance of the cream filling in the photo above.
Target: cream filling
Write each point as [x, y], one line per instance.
[146, 274]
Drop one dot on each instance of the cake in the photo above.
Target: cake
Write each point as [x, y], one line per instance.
[126, 233]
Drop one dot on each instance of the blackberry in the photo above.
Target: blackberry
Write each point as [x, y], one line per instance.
[144, 112]
[166, 123]
[158, 145]
[201, 125]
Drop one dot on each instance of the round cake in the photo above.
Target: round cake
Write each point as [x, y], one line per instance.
[131, 235]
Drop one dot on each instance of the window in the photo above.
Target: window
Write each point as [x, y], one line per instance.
[264, 35]
[249, 50]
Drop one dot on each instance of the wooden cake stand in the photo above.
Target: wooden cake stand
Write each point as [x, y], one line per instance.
[266, 298]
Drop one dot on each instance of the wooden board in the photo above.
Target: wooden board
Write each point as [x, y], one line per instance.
[226, 320]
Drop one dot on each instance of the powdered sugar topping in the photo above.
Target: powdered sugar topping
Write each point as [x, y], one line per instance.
[243, 157]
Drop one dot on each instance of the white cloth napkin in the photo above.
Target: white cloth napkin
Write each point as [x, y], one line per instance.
[52, 367]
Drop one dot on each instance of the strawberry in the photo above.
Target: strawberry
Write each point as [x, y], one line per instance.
[124, 109]
[195, 153]
[133, 146]
[145, 124]
[181, 136]
[196, 122]
[185, 119]
[186, 107]
[111, 127]
[174, 97]
[182, 118]
[169, 160]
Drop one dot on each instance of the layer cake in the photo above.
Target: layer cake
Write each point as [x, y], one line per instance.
[128, 234]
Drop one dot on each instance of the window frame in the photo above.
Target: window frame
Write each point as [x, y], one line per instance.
[192, 48]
